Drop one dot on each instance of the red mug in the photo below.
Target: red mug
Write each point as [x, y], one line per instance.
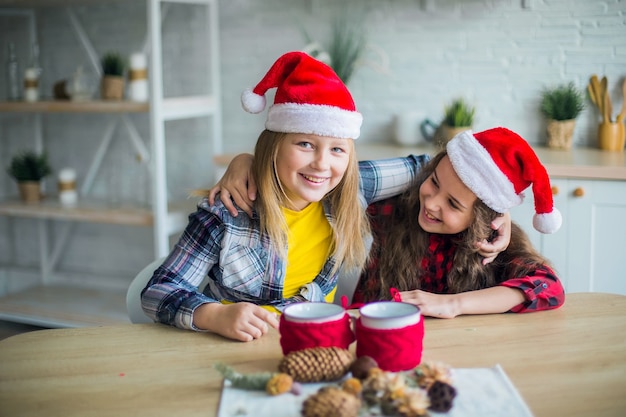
[312, 324]
[392, 333]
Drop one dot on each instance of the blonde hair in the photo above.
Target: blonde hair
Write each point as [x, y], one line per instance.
[350, 225]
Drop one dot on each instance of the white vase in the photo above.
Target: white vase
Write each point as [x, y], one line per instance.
[406, 128]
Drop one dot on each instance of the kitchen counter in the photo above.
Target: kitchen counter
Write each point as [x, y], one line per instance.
[589, 163]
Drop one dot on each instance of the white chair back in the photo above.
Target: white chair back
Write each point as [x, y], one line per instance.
[133, 294]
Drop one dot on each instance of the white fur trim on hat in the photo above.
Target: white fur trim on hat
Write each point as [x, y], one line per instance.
[476, 168]
[314, 119]
[548, 222]
[252, 102]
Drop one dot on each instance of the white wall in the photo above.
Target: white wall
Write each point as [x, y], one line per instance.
[497, 54]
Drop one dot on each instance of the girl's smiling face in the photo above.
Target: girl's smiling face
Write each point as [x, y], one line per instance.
[310, 166]
[446, 202]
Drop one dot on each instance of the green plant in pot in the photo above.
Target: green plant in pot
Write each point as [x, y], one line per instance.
[458, 117]
[28, 168]
[561, 105]
[346, 45]
[112, 86]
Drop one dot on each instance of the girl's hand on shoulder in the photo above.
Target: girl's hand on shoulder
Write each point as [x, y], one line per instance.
[239, 321]
[443, 306]
[490, 250]
[237, 184]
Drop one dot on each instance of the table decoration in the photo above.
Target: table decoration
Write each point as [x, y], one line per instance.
[480, 392]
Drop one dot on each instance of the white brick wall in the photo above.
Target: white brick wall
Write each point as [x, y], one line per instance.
[498, 54]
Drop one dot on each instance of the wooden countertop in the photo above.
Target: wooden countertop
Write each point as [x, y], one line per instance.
[565, 362]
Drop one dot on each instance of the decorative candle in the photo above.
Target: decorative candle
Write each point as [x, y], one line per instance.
[31, 84]
[138, 78]
[67, 187]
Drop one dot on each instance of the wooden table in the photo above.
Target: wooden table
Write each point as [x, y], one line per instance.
[567, 362]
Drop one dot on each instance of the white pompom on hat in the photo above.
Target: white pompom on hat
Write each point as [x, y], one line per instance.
[310, 98]
[498, 165]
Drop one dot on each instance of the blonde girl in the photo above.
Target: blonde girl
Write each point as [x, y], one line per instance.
[231, 274]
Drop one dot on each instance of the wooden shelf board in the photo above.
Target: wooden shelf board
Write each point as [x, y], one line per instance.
[91, 212]
[190, 106]
[84, 211]
[173, 108]
[63, 305]
[67, 106]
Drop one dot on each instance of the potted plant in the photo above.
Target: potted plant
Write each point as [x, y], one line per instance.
[561, 105]
[112, 87]
[28, 169]
[458, 117]
[346, 46]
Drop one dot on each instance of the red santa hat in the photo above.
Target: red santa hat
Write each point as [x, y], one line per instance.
[498, 165]
[310, 98]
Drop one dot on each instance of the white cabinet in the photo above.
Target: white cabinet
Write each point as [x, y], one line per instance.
[589, 250]
[56, 303]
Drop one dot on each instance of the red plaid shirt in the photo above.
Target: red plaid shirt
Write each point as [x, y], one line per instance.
[542, 288]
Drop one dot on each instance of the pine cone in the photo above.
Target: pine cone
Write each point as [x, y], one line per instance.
[317, 364]
[441, 396]
[331, 401]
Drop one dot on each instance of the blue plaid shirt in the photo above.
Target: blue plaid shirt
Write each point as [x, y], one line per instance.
[230, 260]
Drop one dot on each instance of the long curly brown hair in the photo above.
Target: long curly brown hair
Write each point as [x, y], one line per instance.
[400, 244]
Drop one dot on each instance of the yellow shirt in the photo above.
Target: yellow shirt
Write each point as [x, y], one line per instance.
[310, 238]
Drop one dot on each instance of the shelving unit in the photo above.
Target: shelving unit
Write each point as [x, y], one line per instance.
[57, 304]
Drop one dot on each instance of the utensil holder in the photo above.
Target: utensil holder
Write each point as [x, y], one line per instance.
[611, 136]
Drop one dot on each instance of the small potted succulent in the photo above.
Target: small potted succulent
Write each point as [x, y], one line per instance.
[112, 86]
[458, 117]
[561, 105]
[28, 168]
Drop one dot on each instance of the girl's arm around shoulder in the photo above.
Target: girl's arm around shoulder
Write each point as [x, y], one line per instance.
[385, 178]
[542, 291]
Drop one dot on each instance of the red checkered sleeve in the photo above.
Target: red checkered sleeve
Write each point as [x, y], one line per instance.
[543, 291]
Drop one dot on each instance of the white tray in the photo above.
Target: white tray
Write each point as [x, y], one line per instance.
[481, 392]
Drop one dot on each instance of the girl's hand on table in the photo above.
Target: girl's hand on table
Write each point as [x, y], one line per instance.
[442, 306]
[239, 321]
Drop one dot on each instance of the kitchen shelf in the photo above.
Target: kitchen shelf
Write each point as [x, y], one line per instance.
[62, 305]
[173, 108]
[95, 211]
[66, 106]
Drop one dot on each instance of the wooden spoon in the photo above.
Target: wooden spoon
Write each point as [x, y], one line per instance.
[606, 100]
[622, 114]
[595, 87]
[592, 94]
